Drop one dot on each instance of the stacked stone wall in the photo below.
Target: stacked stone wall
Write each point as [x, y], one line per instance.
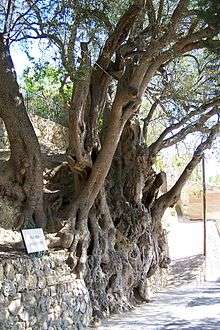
[51, 135]
[41, 293]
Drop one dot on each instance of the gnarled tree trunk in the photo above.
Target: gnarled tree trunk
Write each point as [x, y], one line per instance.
[126, 247]
[25, 175]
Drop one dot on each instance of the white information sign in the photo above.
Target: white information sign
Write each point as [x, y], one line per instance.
[34, 240]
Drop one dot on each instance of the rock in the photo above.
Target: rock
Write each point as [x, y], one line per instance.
[9, 271]
[2, 315]
[53, 291]
[57, 311]
[20, 279]
[8, 288]
[32, 281]
[1, 273]
[2, 299]
[20, 326]
[32, 321]
[96, 322]
[24, 316]
[15, 306]
[29, 301]
[41, 282]
[83, 307]
[66, 320]
[45, 326]
[51, 280]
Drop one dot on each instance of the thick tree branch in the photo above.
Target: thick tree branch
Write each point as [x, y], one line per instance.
[25, 156]
[143, 73]
[149, 117]
[160, 12]
[100, 78]
[101, 17]
[120, 33]
[8, 10]
[197, 125]
[170, 198]
[151, 14]
[178, 14]
[77, 156]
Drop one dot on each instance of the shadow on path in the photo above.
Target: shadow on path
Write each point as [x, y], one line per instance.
[188, 307]
[184, 271]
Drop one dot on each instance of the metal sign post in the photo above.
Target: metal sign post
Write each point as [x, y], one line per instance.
[204, 205]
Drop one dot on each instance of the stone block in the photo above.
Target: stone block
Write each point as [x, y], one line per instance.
[29, 299]
[32, 281]
[19, 326]
[9, 271]
[36, 292]
[21, 282]
[24, 316]
[8, 288]
[1, 273]
[53, 291]
[42, 282]
[15, 306]
[32, 321]
[51, 280]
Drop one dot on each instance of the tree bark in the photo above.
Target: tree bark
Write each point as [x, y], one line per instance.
[25, 160]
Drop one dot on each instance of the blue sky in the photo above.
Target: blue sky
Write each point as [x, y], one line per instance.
[20, 60]
[36, 50]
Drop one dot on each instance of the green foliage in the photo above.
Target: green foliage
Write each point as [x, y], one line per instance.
[179, 161]
[213, 45]
[160, 163]
[44, 95]
[209, 10]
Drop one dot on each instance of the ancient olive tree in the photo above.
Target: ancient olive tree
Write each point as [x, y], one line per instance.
[108, 189]
[23, 178]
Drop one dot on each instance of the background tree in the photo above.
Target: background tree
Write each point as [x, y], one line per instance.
[44, 93]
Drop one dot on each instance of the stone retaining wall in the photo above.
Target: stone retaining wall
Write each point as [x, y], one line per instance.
[50, 135]
[41, 293]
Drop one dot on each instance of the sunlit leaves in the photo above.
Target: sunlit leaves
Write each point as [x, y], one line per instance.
[45, 95]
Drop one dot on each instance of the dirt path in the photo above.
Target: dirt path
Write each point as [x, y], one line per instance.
[182, 306]
[189, 307]
[186, 240]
